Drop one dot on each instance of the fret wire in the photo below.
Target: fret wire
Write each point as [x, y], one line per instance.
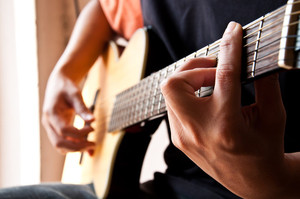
[130, 108]
[209, 50]
[160, 94]
[145, 101]
[288, 3]
[265, 28]
[163, 107]
[265, 41]
[206, 51]
[260, 58]
[213, 49]
[291, 24]
[159, 101]
[151, 96]
[265, 19]
[140, 98]
[201, 51]
[154, 94]
[148, 100]
[276, 42]
[271, 54]
[191, 56]
[275, 51]
[268, 16]
[256, 48]
[218, 42]
[171, 68]
[253, 42]
[134, 102]
[263, 68]
[246, 36]
[142, 101]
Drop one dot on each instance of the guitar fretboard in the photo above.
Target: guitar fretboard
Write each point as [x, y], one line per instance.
[263, 51]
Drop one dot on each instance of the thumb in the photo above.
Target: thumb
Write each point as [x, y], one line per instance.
[80, 108]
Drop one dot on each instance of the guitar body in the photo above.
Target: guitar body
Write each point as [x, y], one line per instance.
[117, 74]
[116, 163]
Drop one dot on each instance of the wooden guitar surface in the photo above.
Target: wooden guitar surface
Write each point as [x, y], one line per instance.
[117, 74]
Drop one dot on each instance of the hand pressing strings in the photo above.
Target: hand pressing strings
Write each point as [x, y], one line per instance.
[241, 147]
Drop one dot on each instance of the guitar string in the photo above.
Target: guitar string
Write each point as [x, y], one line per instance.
[159, 93]
[264, 27]
[138, 117]
[135, 118]
[217, 52]
[247, 45]
[150, 97]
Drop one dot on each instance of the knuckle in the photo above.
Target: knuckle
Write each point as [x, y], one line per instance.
[226, 41]
[224, 139]
[169, 85]
[59, 144]
[64, 130]
[193, 62]
[178, 141]
[225, 73]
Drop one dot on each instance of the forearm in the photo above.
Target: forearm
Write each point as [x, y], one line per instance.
[293, 184]
[87, 42]
[278, 179]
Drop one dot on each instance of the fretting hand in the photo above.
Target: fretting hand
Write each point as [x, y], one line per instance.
[241, 147]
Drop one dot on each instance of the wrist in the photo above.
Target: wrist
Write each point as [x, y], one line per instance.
[292, 184]
[66, 73]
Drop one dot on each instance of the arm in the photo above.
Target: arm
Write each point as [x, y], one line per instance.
[63, 97]
[241, 147]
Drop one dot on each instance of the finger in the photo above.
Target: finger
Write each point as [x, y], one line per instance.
[183, 134]
[176, 128]
[69, 144]
[268, 94]
[75, 133]
[179, 89]
[65, 146]
[228, 81]
[200, 62]
[186, 83]
[80, 107]
[69, 134]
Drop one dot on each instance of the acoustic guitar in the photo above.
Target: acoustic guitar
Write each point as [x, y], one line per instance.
[271, 43]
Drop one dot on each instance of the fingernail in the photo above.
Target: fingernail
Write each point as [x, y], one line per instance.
[87, 116]
[212, 57]
[91, 152]
[230, 27]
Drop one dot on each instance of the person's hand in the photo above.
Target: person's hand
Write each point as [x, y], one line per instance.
[241, 147]
[62, 101]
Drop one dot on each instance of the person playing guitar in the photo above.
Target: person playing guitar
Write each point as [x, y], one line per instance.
[179, 28]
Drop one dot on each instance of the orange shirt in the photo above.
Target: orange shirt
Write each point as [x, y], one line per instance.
[124, 16]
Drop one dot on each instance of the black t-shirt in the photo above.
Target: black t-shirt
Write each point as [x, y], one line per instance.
[185, 26]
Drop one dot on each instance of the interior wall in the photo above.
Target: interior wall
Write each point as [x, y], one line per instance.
[19, 129]
[55, 21]
[9, 150]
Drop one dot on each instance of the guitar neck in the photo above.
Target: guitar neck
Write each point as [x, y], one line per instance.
[269, 43]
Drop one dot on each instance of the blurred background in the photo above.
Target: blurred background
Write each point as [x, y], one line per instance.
[33, 35]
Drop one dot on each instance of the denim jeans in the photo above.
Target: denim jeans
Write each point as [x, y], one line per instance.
[49, 191]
